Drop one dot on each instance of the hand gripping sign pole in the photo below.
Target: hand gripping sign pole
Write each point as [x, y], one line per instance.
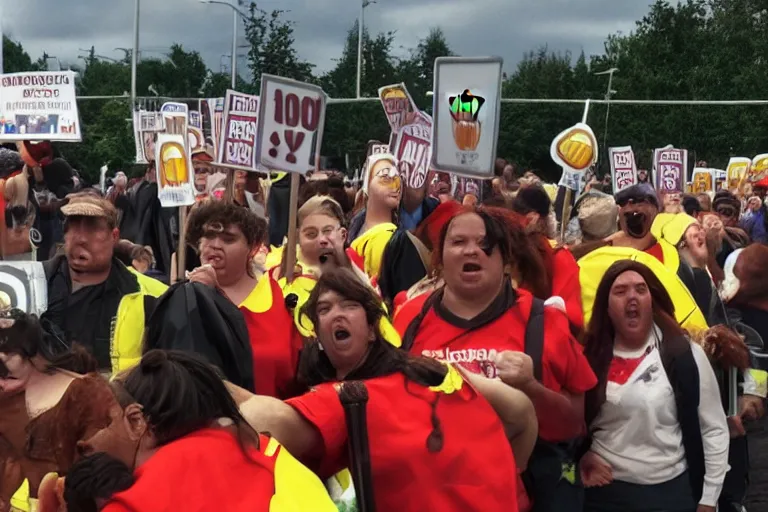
[290, 133]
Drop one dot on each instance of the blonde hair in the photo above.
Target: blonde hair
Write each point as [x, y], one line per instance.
[321, 205]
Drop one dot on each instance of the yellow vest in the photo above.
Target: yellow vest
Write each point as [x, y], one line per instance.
[371, 244]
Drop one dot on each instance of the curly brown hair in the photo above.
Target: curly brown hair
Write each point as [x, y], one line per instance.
[254, 228]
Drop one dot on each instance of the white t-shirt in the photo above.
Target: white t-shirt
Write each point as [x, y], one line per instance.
[637, 431]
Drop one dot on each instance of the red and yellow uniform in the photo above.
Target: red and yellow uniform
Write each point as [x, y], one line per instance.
[565, 284]
[275, 341]
[207, 470]
[564, 366]
[475, 470]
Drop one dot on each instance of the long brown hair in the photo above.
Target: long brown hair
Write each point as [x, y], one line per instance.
[600, 333]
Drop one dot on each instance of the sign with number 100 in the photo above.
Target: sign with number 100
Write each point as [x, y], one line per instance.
[291, 124]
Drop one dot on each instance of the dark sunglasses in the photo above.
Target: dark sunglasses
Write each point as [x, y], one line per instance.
[624, 201]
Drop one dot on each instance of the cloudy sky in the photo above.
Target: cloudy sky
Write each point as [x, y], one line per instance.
[473, 27]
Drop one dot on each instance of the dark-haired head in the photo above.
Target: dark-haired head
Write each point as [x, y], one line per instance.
[350, 346]
[629, 301]
[227, 237]
[28, 345]
[169, 395]
[92, 481]
[346, 314]
[482, 246]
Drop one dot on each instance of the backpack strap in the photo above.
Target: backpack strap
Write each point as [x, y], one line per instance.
[534, 336]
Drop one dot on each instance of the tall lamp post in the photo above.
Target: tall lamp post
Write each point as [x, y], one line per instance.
[235, 13]
[363, 5]
[608, 93]
[135, 53]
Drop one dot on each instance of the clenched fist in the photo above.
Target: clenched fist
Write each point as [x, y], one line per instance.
[205, 275]
[514, 369]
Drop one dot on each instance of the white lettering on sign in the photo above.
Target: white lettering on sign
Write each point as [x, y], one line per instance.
[671, 156]
[242, 129]
[244, 103]
[670, 175]
[239, 153]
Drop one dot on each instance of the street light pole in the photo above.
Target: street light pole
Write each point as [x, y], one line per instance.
[235, 13]
[608, 94]
[234, 48]
[360, 26]
[135, 53]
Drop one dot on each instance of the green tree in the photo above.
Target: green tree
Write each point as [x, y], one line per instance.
[418, 71]
[348, 127]
[272, 47]
[15, 59]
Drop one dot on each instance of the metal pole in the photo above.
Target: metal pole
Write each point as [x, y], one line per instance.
[360, 46]
[607, 107]
[234, 48]
[2, 37]
[135, 54]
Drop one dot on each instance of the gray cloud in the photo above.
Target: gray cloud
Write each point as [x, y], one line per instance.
[508, 28]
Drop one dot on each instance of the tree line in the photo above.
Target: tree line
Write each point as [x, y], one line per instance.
[692, 50]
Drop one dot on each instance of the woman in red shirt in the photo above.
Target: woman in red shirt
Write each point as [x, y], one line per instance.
[479, 320]
[176, 425]
[228, 237]
[436, 443]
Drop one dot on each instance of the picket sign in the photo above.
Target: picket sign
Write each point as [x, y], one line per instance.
[237, 145]
[290, 134]
[291, 122]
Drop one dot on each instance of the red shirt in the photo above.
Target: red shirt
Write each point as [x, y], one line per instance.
[206, 470]
[275, 341]
[656, 251]
[475, 469]
[564, 366]
[565, 284]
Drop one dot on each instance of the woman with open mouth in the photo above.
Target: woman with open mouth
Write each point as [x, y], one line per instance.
[50, 396]
[658, 433]
[420, 413]
[228, 237]
[482, 321]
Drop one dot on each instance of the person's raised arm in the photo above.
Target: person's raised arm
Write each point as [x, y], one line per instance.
[280, 420]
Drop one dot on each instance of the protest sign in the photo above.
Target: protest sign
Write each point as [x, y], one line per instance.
[398, 106]
[175, 175]
[237, 147]
[575, 151]
[23, 286]
[39, 106]
[670, 167]
[413, 151]
[290, 124]
[466, 107]
[702, 180]
[146, 126]
[212, 112]
[623, 168]
[758, 170]
[736, 172]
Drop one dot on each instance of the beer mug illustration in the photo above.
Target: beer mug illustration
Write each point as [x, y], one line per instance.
[174, 171]
[466, 126]
[576, 149]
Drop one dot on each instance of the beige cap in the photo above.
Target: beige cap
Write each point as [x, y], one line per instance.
[88, 205]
